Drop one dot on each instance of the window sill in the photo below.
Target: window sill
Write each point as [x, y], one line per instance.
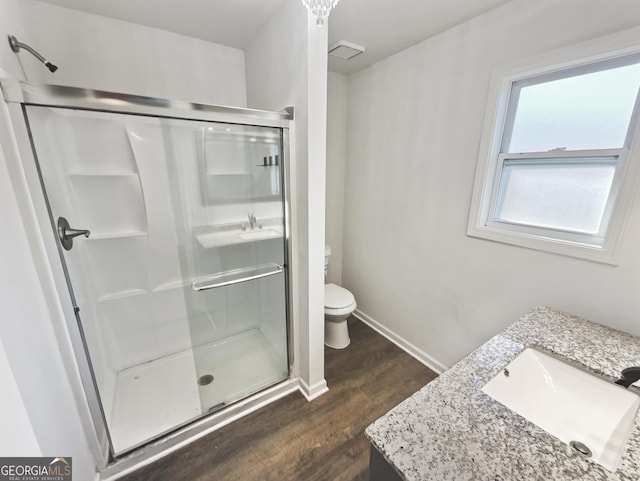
[603, 255]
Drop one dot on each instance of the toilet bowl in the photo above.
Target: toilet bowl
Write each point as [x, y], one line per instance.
[339, 304]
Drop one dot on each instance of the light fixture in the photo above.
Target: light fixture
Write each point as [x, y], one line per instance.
[345, 50]
[320, 9]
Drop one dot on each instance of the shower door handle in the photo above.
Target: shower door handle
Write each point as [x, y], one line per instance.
[66, 233]
[236, 276]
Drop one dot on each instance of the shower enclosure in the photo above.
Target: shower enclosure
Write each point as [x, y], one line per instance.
[170, 222]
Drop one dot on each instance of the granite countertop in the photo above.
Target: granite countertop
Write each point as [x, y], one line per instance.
[451, 430]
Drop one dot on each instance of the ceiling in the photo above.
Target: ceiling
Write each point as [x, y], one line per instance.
[384, 27]
[227, 22]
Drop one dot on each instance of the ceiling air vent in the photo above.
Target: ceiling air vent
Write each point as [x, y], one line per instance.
[345, 50]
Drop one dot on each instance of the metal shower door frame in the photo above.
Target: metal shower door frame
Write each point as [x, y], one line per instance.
[18, 95]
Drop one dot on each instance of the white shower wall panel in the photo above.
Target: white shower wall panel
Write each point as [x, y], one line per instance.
[88, 143]
[137, 184]
[222, 312]
[113, 203]
[119, 265]
[271, 313]
[157, 323]
[147, 141]
[129, 327]
[145, 326]
[56, 154]
[108, 174]
[233, 212]
[221, 187]
[243, 307]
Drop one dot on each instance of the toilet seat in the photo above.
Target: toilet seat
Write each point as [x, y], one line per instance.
[340, 312]
[336, 297]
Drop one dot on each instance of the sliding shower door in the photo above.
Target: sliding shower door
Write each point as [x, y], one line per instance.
[171, 233]
[226, 187]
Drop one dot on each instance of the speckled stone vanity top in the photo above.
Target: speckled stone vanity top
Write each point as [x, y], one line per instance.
[451, 430]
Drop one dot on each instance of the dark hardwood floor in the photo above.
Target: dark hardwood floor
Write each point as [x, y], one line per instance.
[296, 440]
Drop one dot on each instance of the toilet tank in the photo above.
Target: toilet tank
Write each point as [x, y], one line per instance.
[327, 254]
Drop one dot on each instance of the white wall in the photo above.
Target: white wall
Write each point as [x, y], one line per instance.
[44, 413]
[39, 357]
[18, 437]
[108, 54]
[336, 161]
[11, 23]
[100, 53]
[287, 65]
[414, 124]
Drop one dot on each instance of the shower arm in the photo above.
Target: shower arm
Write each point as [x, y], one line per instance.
[16, 46]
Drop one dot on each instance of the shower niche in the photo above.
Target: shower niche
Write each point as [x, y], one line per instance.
[182, 297]
[234, 165]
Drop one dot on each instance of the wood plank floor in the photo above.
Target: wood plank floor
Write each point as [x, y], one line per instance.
[296, 440]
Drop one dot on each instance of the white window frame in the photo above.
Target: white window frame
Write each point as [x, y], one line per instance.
[602, 246]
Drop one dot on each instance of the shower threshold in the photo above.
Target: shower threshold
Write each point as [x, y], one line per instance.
[157, 397]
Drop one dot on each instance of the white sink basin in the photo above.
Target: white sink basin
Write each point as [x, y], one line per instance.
[568, 403]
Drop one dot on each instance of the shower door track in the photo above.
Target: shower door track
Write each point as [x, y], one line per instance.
[18, 95]
[88, 99]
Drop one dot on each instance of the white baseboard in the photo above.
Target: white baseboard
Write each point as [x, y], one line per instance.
[312, 392]
[402, 343]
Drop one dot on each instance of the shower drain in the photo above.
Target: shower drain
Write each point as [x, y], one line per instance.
[205, 380]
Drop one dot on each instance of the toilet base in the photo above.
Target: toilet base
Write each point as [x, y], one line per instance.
[336, 334]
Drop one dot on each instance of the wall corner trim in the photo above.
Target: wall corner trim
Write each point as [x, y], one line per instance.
[402, 343]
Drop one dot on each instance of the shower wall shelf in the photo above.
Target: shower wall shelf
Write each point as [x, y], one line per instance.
[103, 174]
[115, 235]
[167, 286]
[122, 294]
[171, 285]
[225, 181]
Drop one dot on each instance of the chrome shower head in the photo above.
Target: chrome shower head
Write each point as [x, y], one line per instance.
[16, 46]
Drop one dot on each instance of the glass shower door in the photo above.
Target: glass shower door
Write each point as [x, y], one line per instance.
[180, 286]
[226, 185]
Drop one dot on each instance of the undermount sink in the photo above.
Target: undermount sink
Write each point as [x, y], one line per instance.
[592, 415]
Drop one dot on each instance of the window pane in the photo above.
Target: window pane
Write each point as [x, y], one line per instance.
[567, 196]
[590, 111]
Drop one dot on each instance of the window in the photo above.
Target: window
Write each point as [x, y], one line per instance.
[558, 157]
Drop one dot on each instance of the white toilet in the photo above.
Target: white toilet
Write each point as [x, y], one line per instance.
[339, 304]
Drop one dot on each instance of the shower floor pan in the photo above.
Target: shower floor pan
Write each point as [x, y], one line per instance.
[158, 396]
